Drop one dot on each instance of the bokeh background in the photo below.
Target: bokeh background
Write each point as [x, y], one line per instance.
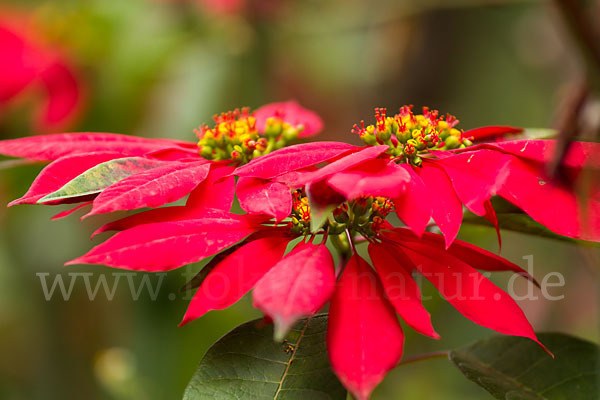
[161, 68]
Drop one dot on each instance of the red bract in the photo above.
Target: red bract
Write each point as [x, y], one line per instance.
[297, 286]
[364, 338]
[32, 68]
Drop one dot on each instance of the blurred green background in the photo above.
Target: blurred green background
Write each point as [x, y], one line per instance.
[161, 68]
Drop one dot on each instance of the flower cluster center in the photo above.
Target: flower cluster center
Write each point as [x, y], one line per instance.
[235, 136]
[363, 216]
[410, 135]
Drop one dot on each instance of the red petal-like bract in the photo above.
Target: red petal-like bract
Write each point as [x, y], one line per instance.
[163, 214]
[344, 163]
[52, 147]
[579, 154]
[372, 178]
[297, 286]
[153, 188]
[259, 196]
[490, 132]
[400, 288]
[490, 215]
[216, 191]
[415, 206]
[235, 275]
[552, 205]
[293, 158]
[476, 176]
[447, 209]
[61, 171]
[364, 338]
[150, 247]
[467, 252]
[292, 113]
[472, 294]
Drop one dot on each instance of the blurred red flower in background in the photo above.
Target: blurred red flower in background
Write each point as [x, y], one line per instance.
[32, 68]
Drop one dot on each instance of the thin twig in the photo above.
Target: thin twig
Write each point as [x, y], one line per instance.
[425, 356]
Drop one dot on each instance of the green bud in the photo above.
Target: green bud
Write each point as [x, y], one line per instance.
[206, 152]
[369, 139]
[403, 136]
[452, 142]
[289, 135]
[272, 130]
[384, 135]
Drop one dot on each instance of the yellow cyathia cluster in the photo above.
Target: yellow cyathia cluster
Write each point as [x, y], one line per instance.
[408, 134]
[364, 215]
[300, 213]
[235, 137]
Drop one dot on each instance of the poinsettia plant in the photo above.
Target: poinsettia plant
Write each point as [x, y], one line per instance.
[319, 223]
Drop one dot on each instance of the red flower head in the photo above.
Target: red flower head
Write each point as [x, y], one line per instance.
[31, 67]
[126, 173]
[431, 170]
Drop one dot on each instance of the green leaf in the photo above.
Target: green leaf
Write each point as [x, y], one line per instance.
[515, 368]
[248, 364]
[98, 178]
